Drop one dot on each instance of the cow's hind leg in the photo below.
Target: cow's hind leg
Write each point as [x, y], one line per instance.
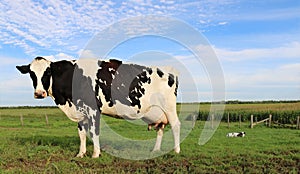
[160, 132]
[82, 135]
[175, 125]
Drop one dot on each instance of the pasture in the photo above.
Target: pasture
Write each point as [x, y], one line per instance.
[37, 147]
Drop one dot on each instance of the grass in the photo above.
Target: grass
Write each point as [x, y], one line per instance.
[40, 148]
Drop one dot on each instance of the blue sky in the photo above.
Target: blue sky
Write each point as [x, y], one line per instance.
[257, 43]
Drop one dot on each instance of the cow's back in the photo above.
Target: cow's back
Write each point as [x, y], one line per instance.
[130, 89]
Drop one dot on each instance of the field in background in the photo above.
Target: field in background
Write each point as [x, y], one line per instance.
[50, 148]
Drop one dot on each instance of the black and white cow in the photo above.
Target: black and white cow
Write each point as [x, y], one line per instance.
[85, 88]
[236, 134]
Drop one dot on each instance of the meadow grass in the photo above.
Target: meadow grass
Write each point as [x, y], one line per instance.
[39, 148]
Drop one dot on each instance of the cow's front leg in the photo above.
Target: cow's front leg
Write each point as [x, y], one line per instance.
[94, 133]
[97, 151]
[82, 136]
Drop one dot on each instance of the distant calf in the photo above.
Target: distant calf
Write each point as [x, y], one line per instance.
[236, 134]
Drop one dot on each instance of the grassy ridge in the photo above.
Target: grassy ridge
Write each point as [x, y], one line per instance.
[40, 148]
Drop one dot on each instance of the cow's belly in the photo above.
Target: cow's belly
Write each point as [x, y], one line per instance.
[149, 112]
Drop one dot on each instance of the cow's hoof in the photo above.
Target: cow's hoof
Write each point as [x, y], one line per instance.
[155, 150]
[80, 155]
[96, 155]
[177, 149]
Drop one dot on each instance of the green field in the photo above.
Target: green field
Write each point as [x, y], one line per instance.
[37, 147]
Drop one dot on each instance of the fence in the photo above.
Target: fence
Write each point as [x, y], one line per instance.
[267, 120]
[229, 118]
[22, 119]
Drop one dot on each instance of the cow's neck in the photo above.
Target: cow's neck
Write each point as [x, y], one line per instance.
[61, 86]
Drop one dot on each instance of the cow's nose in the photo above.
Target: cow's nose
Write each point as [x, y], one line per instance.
[39, 94]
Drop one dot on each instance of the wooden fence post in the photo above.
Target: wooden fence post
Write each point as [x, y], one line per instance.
[228, 120]
[46, 116]
[298, 123]
[212, 120]
[251, 122]
[240, 121]
[270, 120]
[21, 119]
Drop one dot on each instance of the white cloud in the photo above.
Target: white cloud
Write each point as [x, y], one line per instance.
[52, 24]
[291, 50]
[59, 56]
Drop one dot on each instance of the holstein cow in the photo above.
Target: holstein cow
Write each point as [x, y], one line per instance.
[236, 134]
[85, 88]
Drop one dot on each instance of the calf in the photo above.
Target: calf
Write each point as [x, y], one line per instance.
[85, 88]
[236, 134]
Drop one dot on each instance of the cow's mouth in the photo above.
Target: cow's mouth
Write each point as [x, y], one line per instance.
[40, 94]
[39, 97]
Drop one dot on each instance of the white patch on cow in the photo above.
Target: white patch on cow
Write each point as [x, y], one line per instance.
[90, 68]
[129, 99]
[39, 66]
[155, 115]
[71, 112]
[127, 112]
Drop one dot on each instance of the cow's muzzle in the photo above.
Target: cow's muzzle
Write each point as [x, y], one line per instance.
[39, 94]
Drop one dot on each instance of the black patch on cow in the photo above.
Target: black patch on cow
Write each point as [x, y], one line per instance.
[149, 71]
[24, 69]
[79, 126]
[159, 72]
[171, 80]
[85, 100]
[105, 76]
[240, 134]
[33, 78]
[122, 82]
[39, 58]
[46, 79]
[176, 88]
[62, 78]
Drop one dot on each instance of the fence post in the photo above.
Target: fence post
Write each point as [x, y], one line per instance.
[212, 120]
[228, 120]
[270, 120]
[21, 119]
[298, 123]
[240, 121]
[46, 116]
[251, 122]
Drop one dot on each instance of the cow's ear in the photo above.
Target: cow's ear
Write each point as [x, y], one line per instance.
[23, 69]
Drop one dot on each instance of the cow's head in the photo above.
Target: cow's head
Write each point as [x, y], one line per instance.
[40, 73]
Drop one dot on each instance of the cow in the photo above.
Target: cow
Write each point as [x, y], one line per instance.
[86, 88]
[236, 134]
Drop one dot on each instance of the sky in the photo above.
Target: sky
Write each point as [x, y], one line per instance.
[256, 43]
